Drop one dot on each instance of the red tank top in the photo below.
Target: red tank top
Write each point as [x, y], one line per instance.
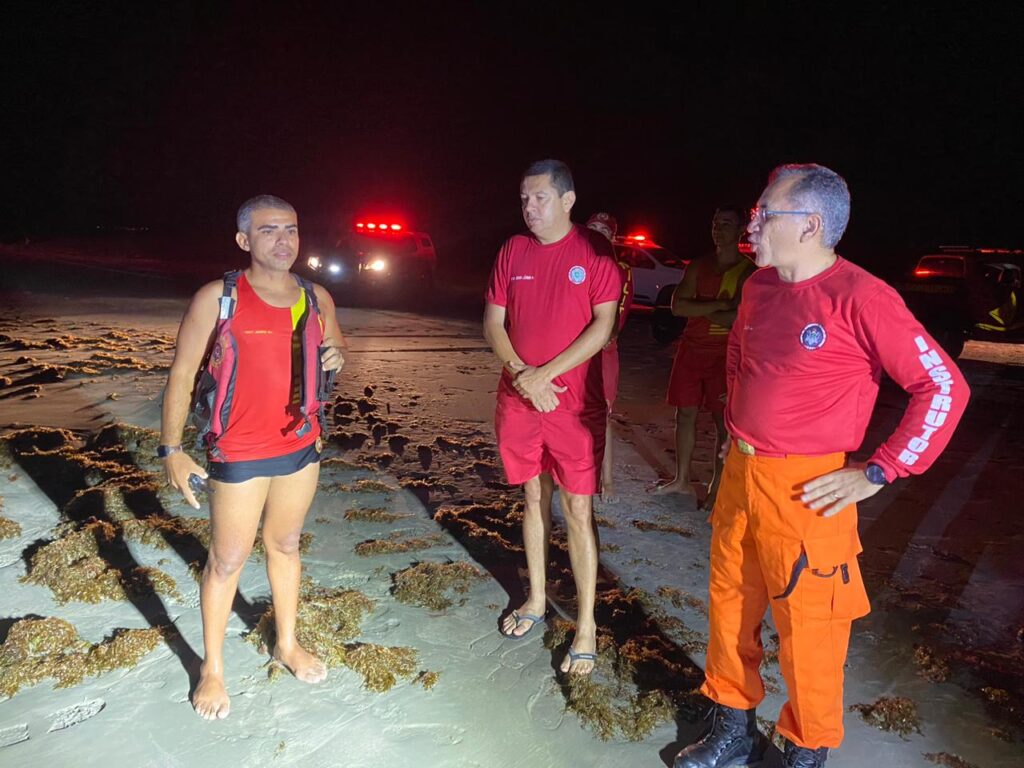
[265, 410]
[700, 331]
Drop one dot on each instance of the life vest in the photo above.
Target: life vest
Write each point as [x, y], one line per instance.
[215, 386]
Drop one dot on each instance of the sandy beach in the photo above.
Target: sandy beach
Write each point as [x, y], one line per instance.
[412, 477]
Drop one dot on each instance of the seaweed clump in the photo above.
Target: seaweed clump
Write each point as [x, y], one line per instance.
[372, 514]
[427, 584]
[606, 700]
[9, 529]
[947, 760]
[930, 666]
[427, 679]
[395, 544]
[327, 619]
[895, 714]
[37, 649]
[73, 568]
[380, 665]
[645, 525]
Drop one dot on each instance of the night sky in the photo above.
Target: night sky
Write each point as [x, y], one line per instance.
[168, 115]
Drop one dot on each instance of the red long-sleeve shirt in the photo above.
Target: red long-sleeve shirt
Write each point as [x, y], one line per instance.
[805, 361]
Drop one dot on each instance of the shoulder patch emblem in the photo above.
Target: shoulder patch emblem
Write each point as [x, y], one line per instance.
[813, 336]
[577, 275]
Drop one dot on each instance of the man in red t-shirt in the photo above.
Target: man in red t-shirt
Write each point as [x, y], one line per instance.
[268, 458]
[551, 302]
[811, 341]
[708, 295]
[605, 224]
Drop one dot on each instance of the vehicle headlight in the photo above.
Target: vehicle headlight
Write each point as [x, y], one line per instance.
[313, 262]
[334, 268]
[377, 265]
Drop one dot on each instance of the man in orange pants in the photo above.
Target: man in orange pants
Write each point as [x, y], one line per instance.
[811, 339]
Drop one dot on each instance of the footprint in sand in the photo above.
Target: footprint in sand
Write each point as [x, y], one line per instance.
[79, 713]
[13, 735]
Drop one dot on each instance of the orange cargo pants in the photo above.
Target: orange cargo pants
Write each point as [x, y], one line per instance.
[768, 548]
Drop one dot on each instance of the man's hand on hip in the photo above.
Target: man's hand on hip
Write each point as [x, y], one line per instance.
[837, 490]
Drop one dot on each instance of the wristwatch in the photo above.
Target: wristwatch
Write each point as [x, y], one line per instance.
[163, 451]
[875, 474]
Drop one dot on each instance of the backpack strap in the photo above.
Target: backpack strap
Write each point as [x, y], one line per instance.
[310, 292]
[227, 299]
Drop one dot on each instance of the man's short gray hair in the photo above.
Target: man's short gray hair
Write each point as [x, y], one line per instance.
[821, 190]
[244, 217]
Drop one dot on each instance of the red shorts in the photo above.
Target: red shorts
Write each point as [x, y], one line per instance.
[698, 379]
[610, 372]
[569, 446]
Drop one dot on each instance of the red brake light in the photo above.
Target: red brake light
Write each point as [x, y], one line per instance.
[396, 227]
[360, 225]
[637, 237]
[371, 226]
[923, 272]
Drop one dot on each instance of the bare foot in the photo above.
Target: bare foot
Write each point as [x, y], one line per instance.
[678, 485]
[585, 643]
[301, 663]
[608, 493]
[210, 698]
[517, 628]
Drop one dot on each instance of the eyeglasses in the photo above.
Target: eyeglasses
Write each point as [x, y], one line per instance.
[761, 215]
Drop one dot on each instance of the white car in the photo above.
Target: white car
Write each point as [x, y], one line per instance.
[656, 270]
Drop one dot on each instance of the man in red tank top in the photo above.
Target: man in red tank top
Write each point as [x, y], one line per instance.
[269, 465]
[708, 295]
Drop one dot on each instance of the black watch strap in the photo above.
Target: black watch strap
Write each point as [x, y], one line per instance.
[163, 451]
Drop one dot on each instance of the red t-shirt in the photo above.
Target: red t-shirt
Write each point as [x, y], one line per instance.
[265, 406]
[805, 361]
[549, 292]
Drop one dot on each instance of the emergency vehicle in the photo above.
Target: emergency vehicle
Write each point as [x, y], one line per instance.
[962, 292]
[377, 253]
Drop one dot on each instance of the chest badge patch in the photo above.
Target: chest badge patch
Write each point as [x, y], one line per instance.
[577, 275]
[813, 336]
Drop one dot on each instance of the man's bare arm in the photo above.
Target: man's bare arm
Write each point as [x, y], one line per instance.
[332, 358]
[194, 337]
[684, 299]
[586, 345]
[727, 317]
[497, 337]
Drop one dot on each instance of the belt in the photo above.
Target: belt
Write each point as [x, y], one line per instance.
[748, 450]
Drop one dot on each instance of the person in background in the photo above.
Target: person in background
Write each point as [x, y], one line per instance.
[605, 224]
[707, 296]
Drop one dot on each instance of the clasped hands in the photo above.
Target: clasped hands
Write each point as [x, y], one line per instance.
[535, 385]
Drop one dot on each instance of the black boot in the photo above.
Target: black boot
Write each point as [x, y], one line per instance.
[732, 742]
[803, 757]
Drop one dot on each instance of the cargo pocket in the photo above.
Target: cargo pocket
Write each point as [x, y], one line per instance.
[825, 581]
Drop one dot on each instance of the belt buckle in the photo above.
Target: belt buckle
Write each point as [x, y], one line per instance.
[745, 448]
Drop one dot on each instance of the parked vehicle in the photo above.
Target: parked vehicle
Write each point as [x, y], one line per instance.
[376, 255]
[961, 292]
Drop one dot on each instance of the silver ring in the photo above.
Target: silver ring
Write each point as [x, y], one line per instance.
[835, 495]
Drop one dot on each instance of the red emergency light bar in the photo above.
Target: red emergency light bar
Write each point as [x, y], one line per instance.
[375, 227]
[638, 238]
